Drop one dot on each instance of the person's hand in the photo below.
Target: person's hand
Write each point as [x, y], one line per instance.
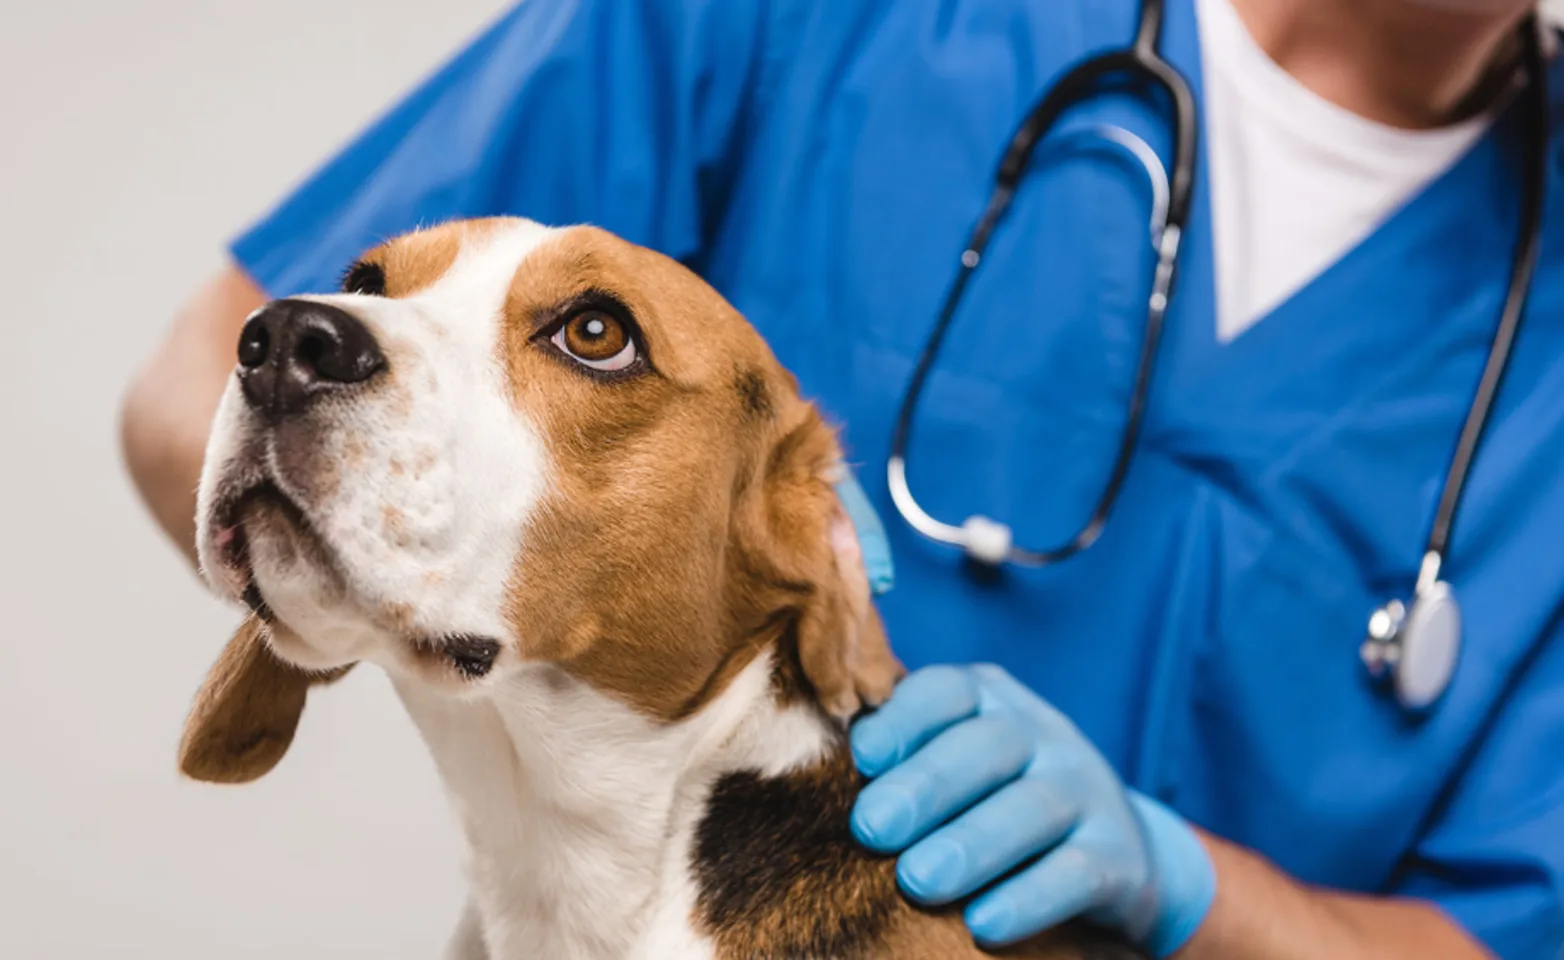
[978, 776]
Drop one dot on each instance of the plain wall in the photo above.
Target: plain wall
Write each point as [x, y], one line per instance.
[135, 138]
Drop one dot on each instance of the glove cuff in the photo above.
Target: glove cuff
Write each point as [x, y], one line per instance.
[1185, 879]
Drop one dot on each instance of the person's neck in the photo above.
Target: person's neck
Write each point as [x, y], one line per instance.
[1409, 64]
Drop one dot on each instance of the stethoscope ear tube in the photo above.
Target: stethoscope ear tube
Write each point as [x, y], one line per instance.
[1523, 267]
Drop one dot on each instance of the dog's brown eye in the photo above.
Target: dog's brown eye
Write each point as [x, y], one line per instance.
[597, 340]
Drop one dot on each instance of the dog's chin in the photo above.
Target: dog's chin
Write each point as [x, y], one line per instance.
[291, 649]
[261, 548]
[320, 624]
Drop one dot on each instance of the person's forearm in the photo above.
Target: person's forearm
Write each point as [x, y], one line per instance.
[167, 411]
[1262, 914]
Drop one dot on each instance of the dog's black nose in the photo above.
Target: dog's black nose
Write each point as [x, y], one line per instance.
[292, 351]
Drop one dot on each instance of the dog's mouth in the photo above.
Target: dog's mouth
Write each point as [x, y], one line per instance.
[264, 505]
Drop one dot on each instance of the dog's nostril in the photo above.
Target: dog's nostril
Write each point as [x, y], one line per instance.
[254, 343]
[311, 348]
[335, 347]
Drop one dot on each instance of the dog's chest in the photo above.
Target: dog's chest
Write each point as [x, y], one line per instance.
[634, 915]
[570, 890]
[577, 841]
[580, 816]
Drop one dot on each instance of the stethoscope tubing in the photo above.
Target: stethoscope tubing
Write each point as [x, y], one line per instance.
[1143, 62]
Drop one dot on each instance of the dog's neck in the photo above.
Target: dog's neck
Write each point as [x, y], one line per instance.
[578, 813]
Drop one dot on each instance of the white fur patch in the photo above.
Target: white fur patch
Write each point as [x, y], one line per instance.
[421, 486]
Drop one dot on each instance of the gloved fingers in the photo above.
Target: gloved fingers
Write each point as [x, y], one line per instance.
[960, 766]
[1063, 754]
[1073, 766]
[1020, 821]
[923, 703]
[1064, 884]
[997, 688]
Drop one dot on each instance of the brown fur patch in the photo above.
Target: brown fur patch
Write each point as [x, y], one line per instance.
[665, 485]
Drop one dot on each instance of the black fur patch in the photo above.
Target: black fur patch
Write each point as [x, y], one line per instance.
[754, 395]
[473, 657]
[777, 855]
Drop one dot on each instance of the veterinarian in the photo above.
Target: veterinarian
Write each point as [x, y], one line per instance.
[1272, 575]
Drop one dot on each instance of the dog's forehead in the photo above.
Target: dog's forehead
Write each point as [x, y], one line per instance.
[457, 259]
[525, 270]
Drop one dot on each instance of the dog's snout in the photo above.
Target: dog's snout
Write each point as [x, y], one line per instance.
[294, 350]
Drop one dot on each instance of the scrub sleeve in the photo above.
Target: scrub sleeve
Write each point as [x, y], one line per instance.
[629, 116]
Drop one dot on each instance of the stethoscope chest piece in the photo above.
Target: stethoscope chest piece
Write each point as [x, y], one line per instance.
[1416, 649]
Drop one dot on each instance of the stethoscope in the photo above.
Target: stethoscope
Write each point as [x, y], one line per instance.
[1411, 649]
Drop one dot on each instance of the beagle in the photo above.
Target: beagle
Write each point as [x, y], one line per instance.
[566, 497]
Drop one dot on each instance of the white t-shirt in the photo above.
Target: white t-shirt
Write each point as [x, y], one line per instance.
[1296, 181]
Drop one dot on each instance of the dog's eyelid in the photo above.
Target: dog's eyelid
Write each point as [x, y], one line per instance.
[364, 277]
[547, 321]
[593, 298]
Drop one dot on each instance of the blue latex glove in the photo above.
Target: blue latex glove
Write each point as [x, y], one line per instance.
[978, 775]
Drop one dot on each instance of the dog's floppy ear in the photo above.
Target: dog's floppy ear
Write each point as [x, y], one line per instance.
[845, 652]
[246, 711]
[842, 646]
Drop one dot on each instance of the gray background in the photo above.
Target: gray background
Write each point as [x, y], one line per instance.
[135, 138]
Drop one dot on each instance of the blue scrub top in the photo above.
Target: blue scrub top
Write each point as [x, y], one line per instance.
[821, 163]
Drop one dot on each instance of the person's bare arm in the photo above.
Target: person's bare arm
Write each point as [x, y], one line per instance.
[167, 410]
[1262, 914]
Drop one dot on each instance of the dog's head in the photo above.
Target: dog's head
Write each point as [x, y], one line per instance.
[504, 445]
